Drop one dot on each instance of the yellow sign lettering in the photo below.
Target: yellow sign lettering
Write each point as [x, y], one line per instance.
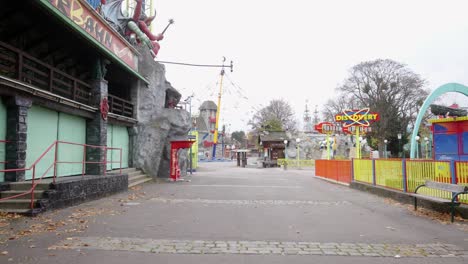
[76, 13]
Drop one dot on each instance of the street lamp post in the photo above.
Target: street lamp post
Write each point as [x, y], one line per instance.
[385, 148]
[426, 139]
[417, 146]
[285, 154]
[360, 146]
[399, 145]
[233, 147]
[189, 101]
[297, 156]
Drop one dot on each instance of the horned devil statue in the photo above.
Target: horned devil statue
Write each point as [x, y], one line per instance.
[135, 27]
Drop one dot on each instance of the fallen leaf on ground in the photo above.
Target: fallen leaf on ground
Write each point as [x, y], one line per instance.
[4, 253]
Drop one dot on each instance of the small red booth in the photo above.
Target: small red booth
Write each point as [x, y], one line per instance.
[175, 146]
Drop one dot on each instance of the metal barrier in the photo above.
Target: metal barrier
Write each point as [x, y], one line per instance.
[418, 171]
[389, 173]
[36, 180]
[461, 177]
[337, 170]
[362, 170]
[406, 175]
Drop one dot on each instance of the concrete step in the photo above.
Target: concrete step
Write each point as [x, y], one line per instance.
[24, 186]
[125, 171]
[133, 173]
[16, 211]
[38, 194]
[139, 182]
[17, 204]
[137, 177]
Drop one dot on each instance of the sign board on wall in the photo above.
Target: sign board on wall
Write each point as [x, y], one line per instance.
[82, 15]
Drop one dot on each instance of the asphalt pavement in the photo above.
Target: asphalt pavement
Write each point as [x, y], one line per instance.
[226, 214]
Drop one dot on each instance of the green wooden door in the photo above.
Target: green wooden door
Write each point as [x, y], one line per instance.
[120, 139]
[3, 115]
[70, 129]
[109, 145]
[42, 132]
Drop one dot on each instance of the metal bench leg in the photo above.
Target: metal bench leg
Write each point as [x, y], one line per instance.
[415, 203]
[452, 211]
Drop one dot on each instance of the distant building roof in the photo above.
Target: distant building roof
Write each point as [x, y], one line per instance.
[208, 105]
[272, 136]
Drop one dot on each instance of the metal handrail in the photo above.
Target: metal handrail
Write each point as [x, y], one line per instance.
[35, 182]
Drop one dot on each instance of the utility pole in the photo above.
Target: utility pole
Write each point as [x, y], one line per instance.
[215, 137]
[231, 66]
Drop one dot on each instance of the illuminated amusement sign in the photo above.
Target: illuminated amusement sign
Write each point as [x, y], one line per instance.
[361, 117]
[327, 128]
[88, 20]
[353, 129]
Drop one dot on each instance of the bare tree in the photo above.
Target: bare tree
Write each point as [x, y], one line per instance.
[389, 88]
[340, 103]
[278, 115]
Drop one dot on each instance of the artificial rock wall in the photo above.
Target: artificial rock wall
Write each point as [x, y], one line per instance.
[158, 123]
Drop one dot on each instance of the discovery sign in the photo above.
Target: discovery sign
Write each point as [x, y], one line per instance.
[361, 117]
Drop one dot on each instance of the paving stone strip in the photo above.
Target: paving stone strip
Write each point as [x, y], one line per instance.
[251, 202]
[261, 247]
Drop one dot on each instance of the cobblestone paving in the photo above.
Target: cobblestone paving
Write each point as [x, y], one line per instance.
[261, 247]
[252, 202]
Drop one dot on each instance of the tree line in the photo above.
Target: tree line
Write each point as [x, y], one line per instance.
[387, 87]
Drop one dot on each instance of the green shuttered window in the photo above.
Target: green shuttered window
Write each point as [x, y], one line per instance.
[46, 126]
[3, 115]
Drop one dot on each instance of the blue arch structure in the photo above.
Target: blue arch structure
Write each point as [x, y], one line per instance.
[446, 88]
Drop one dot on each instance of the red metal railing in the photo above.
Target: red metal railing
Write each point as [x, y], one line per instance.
[36, 180]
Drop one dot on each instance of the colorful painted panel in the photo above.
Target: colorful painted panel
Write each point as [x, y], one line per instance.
[446, 144]
[83, 17]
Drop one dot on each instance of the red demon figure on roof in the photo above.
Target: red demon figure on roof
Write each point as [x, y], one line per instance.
[135, 26]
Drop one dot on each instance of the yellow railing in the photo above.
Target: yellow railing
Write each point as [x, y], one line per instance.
[461, 170]
[417, 171]
[295, 163]
[362, 170]
[389, 173]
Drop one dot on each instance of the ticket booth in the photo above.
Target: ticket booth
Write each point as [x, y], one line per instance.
[175, 146]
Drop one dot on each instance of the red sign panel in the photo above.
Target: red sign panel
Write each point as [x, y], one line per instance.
[86, 18]
[327, 128]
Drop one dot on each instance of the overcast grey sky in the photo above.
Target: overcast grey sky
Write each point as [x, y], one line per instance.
[301, 50]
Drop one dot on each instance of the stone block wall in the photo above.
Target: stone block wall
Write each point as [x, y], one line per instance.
[77, 190]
